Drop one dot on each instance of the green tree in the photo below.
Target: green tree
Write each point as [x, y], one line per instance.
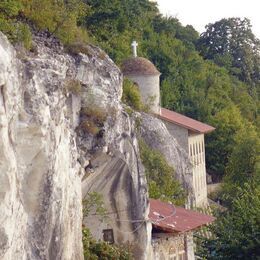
[243, 165]
[236, 234]
[15, 30]
[231, 43]
[221, 142]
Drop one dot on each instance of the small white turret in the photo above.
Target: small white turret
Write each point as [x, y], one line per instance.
[143, 72]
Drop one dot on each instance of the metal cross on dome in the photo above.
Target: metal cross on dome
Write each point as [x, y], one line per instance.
[134, 46]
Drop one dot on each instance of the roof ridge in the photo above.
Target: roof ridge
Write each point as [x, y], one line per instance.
[185, 121]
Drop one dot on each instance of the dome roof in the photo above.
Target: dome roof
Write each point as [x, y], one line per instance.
[139, 66]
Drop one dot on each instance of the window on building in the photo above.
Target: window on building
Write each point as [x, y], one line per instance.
[173, 257]
[194, 154]
[182, 255]
[200, 159]
[108, 236]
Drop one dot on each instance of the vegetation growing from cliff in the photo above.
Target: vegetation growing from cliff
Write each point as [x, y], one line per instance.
[131, 95]
[93, 204]
[95, 250]
[61, 18]
[162, 183]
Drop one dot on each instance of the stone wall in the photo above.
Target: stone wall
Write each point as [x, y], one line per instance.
[173, 246]
[168, 246]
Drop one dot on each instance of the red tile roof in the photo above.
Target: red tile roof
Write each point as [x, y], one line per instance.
[169, 218]
[184, 121]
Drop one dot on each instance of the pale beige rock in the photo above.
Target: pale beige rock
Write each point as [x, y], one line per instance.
[40, 189]
[45, 158]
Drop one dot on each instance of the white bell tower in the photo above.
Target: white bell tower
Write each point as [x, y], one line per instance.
[143, 72]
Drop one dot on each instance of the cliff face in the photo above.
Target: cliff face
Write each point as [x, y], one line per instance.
[40, 185]
[63, 134]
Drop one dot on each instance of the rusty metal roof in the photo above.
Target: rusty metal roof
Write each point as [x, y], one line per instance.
[139, 66]
[184, 121]
[168, 218]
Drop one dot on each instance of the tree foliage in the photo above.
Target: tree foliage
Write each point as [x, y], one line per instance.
[95, 250]
[243, 165]
[131, 95]
[60, 18]
[162, 182]
[190, 85]
[231, 43]
[221, 143]
[236, 234]
[15, 30]
[199, 88]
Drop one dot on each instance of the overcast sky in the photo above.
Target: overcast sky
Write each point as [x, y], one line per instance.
[201, 12]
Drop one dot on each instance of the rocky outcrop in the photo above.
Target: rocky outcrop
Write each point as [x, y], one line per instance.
[64, 134]
[40, 185]
[48, 103]
[155, 134]
[119, 176]
[113, 167]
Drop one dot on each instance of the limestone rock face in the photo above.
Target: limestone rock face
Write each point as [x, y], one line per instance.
[111, 158]
[40, 186]
[119, 177]
[63, 134]
[49, 153]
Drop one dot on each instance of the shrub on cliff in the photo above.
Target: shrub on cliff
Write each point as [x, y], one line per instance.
[15, 30]
[60, 18]
[131, 95]
[94, 250]
[162, 183]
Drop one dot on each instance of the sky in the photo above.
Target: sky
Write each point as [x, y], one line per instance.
[199, 13]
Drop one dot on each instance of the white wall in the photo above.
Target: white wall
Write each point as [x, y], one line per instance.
[149, 89]
[197, 157]
[179, 133]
